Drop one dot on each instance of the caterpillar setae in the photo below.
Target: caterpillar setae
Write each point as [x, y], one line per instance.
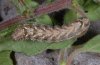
[52, 34]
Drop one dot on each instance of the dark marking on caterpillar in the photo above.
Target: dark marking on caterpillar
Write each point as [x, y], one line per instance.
[52, 34]
[54, 6]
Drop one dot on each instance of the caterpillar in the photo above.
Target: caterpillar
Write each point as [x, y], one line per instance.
[52, 34]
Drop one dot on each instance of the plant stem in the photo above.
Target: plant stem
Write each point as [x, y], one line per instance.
[55, 6]
[6, 23]
[42, 9]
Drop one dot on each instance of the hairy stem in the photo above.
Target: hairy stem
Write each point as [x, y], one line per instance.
[42, 9]
[6, 23]
[55, 6]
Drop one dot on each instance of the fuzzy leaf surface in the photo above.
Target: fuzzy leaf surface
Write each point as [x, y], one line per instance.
[5, 58]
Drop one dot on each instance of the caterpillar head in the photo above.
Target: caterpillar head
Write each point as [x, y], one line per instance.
[84, 21]
[84, 27]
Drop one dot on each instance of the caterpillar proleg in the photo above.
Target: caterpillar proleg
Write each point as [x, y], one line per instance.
[52, 34]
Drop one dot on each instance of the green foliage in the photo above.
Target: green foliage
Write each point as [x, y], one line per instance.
[92, 9]
[49, 1]
[70, 16]
[7, 32]
[34, 47]
[26, 6]
[31, 47]
[5, 58]
[93, 12]
[44, 19]
[92, 46]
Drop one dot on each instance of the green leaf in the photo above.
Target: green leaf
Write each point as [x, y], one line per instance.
[31, 47]
[49, 1]
[70, 16]
[44, 19]
[27, 47]
[92, 8]
[62, 44]
[5, 58]
[93, 13]
[8, 31]
[93, 45]
[81, 2]
[28, 5]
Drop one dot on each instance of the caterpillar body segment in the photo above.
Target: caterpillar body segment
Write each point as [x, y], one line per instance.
[52, 34]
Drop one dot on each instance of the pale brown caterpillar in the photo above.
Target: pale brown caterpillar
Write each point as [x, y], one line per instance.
[52, 34]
